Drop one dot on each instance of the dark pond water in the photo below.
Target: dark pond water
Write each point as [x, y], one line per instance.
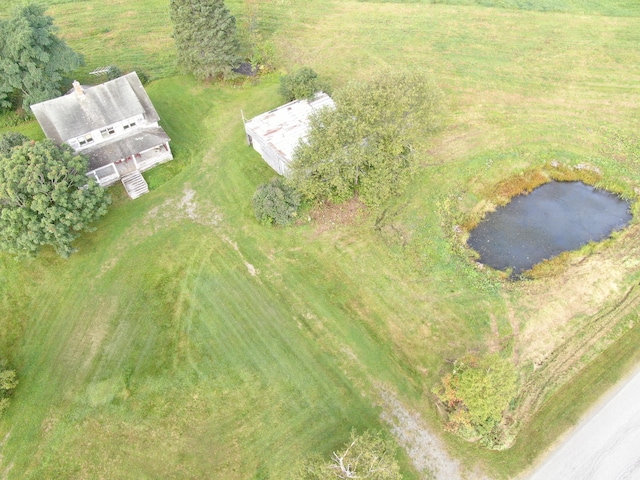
[553, 218]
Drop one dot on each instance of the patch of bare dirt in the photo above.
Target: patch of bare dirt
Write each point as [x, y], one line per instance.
[185, 207]
[253, 271]
[328, 216]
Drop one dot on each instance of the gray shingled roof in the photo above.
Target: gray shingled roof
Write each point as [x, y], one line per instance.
[143, 139]
[72, 115]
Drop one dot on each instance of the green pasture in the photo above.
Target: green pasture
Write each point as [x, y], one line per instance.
[184, 340]
[617, 8]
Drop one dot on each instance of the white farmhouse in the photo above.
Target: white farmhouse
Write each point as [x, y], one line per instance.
[114, 124]
[276, 134]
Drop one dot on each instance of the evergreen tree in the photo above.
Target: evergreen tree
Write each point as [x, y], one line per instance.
[46, 198]
[205, 35]
[33, 59]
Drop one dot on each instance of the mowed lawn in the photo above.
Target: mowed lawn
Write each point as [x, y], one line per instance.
[184, 340]
[171, 346]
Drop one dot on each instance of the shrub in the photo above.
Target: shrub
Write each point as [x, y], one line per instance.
[476, 395]
[113, 72]
[8, 383]
[276, 203]
[144, 78]
[301, 84]
[10, 140]
[13, 118]
[263, 55]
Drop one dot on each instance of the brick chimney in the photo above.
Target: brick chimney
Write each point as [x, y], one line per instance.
[78, 88]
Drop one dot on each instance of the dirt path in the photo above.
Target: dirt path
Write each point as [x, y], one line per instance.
[426, 450]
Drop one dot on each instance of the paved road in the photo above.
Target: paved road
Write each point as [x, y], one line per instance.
[605, 445]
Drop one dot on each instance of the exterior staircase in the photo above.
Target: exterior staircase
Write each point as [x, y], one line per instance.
[135, 184]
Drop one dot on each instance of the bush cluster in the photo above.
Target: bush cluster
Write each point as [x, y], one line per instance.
[301, 84]
[276, 203]
[476, 396]
[10, 140]
[8, 383]
[13, 118]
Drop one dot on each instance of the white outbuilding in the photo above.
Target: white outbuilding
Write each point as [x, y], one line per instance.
[276, 133]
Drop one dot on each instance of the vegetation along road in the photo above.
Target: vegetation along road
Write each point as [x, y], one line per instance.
[604, 445]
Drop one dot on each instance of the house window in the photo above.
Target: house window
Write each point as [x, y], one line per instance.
[107, 131]
[85, 139]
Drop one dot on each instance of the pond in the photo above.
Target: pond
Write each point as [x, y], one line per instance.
[554, 218]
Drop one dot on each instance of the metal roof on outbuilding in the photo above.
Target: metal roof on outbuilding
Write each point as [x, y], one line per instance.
[284, 127]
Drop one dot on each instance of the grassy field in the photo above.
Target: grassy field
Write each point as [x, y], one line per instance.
[183, 340]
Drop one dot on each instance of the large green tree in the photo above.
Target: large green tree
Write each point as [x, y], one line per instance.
[366, 145]
[46, 198]
[33, 60]
[206, 37]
